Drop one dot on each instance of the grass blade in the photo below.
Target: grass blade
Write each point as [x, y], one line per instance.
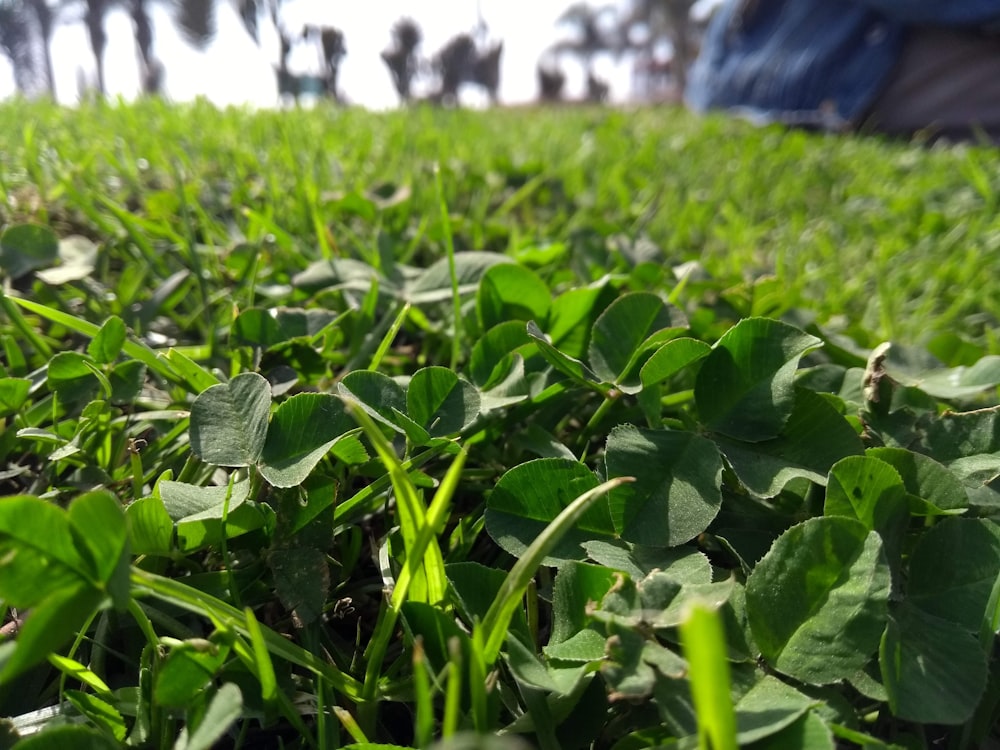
[453, 692]
[25, 330]
[350, 725]
[423, 719]
[265, 668]
[412, 519]
[389, 337]
[423, 555]
[133, 349]
[495, 623]
[200, 603]
[358, 504]
[704, 646]
[437, 516]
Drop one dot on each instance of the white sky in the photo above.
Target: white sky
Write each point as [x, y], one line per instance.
[233, 70]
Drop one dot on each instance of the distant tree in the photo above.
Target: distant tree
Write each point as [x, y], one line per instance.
[250, 16]
[597, 89]
[150, 69]
[486, 71]
[44, 16]
[551, 81]
[454, 63]
[250, 12]
[401, 57]
[25, 32]
[26, 27]
[333, 50]
[286, 49]
[595, 32]
[93, 18]
[288, 83]
[195, 19]
[460, 61]
[651, 23]
[15, 46]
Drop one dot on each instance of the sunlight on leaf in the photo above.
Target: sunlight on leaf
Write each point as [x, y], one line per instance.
[229, 421]
[744, 389]
[817, 602]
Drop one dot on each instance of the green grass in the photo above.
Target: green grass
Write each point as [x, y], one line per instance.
[327, 428]
[900, 241]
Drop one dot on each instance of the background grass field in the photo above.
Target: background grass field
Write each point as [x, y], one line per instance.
[896, 240]
[325, 426]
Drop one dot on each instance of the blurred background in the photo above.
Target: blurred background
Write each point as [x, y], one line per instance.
[270, 53]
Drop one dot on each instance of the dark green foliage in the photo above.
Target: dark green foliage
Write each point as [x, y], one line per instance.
[295, 455]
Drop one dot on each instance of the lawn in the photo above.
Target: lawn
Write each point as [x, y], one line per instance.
[582, 428]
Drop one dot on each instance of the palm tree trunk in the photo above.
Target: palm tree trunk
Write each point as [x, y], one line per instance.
[150, 69]
[12, 46]
[94, 18]
[680, 15]
[19, 42]
[43, 16]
